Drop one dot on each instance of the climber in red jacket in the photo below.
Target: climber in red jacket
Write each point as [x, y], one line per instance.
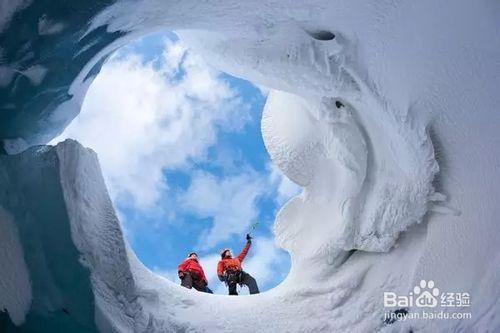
[229, 270]
[192, 275]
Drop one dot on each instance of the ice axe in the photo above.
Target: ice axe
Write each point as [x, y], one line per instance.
[251, 229]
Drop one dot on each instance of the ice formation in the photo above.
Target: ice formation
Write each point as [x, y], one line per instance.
[384, 112]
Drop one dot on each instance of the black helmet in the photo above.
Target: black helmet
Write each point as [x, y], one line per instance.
[223, 251]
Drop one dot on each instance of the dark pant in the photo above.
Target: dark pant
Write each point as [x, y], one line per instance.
[192, 281]
[241, 277]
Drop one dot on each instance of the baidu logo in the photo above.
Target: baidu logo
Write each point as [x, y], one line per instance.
[426, 295]
[423, 302]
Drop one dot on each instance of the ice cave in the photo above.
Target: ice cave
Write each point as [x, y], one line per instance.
[382, 111]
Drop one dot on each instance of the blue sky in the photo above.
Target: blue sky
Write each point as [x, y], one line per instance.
[182, 154]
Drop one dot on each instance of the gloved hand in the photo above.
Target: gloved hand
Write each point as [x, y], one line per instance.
[180, 274]
[249, 238]
[222, 278]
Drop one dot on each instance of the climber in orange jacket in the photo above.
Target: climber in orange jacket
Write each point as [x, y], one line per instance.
[229, 270]
[192, 275]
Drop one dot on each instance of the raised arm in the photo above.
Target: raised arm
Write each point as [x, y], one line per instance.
[244, 252]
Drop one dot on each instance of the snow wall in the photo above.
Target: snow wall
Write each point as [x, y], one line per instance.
[384, 112]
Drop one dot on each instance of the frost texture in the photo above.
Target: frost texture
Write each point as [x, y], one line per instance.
[385, 113]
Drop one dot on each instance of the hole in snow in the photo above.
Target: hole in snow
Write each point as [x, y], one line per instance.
[181, 151]
[323, 35]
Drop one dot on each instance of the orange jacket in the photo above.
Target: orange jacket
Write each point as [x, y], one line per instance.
[232, 263]
[192, 266]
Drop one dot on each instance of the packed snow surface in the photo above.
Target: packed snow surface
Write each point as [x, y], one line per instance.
[384, 112]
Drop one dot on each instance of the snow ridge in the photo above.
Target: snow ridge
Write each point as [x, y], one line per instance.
[366, 98]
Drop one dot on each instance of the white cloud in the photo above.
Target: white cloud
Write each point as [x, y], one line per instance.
[209, 264]
[142, 120]
[267, 261]
[229, 201]
[170, 275]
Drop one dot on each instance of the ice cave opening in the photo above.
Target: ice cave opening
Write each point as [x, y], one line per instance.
[361, 97]
[184, 161]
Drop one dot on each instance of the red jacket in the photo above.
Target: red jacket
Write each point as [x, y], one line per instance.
[232, 263]
[192, 265]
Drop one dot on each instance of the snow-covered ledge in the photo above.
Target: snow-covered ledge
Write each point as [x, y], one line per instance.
[83, 269]
[385, 113]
